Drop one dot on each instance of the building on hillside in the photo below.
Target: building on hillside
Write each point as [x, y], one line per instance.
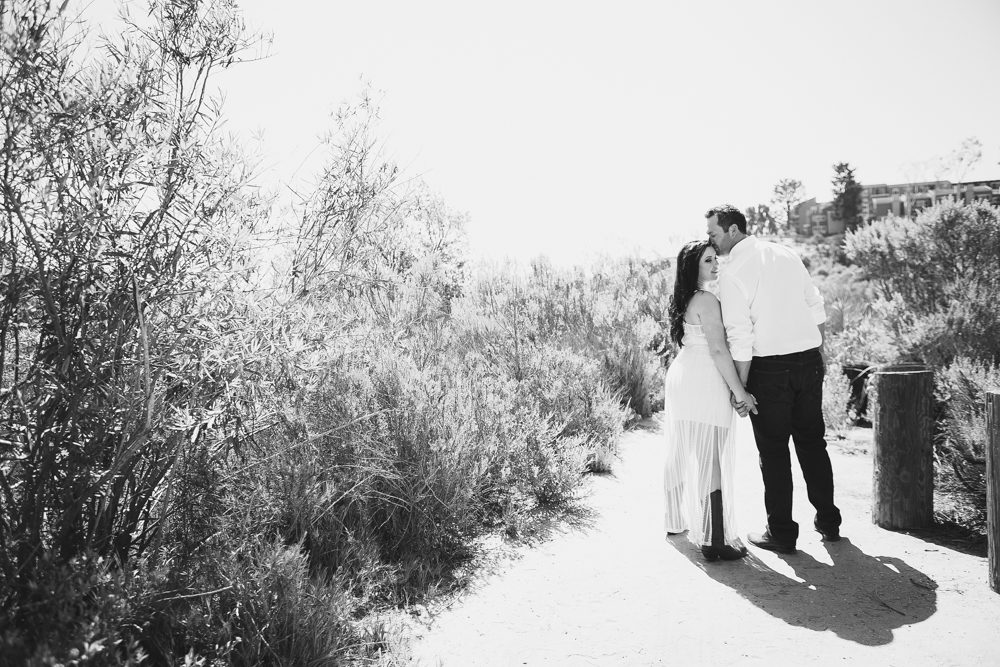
[812, 217]
[908, 199]
[898, 199]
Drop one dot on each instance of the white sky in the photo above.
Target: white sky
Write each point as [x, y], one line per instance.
[574, 128]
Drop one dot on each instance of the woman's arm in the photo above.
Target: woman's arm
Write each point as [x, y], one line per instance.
[709, 314]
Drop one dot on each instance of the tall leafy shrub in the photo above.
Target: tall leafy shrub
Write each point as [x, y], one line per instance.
[941, 272]
[124, 223]
[118, 204]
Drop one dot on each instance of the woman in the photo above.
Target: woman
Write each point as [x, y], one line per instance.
[698, 479]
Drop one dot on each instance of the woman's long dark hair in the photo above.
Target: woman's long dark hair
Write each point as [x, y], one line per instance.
[685, 285]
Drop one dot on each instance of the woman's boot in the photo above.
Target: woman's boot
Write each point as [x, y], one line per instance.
[719, 548]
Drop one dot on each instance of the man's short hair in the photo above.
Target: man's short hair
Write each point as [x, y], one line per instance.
[728, 215]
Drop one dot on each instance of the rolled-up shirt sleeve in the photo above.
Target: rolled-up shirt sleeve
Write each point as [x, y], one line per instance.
[814, 300]
[736, 316]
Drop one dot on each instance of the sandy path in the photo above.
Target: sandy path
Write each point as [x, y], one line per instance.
[613, 590]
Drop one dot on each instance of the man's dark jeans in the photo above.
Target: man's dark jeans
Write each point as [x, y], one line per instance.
[789, 393]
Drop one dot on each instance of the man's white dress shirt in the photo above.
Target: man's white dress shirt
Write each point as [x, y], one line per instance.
[769, 303]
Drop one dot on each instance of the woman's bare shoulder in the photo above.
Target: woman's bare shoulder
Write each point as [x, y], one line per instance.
[704, 299]
[705, 305]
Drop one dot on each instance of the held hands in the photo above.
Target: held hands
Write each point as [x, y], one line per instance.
[745, 406]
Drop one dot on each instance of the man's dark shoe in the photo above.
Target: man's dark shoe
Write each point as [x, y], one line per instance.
[765, 541]
[828, 534]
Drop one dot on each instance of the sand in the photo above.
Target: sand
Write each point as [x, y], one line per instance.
[607, 587]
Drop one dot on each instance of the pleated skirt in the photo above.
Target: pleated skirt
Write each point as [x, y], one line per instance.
[699, 425]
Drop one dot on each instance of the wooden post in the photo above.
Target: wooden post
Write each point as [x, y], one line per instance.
[993, 485]
[903, 479]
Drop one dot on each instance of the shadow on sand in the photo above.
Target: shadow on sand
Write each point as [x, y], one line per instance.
[952, 536]
[859, 597]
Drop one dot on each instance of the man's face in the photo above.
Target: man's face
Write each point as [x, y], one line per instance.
[721, 241]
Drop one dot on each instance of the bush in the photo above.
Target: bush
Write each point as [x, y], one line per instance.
[836, 400]
[275, 613]
[941, 272]
[72, 614]
[871, 338]
[261, 606]
[125, 223]
[573, 388]
[612, 312]
[398, 449]
[960, 443]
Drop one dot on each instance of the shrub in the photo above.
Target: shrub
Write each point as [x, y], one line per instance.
[276, 613]
[572, 387]
[126, 348]
[397, 450]
[611, 311]
[960, 443]
[967, 325]
[942, 271]
[124, 218]
[847, 296]
[72, 612]
[836, 400]
[871, 338]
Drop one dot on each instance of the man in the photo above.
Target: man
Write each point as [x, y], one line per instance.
[775, 324]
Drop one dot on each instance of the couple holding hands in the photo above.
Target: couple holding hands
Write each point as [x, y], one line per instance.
[750, 344]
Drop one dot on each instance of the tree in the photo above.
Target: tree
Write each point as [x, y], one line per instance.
[787, 194]
[760, 220]
[846, 195]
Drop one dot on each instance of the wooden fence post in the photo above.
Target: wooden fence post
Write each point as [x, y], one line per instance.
[993, 485]
[903, 479]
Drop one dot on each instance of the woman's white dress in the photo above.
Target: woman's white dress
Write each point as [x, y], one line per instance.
[700, 428]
